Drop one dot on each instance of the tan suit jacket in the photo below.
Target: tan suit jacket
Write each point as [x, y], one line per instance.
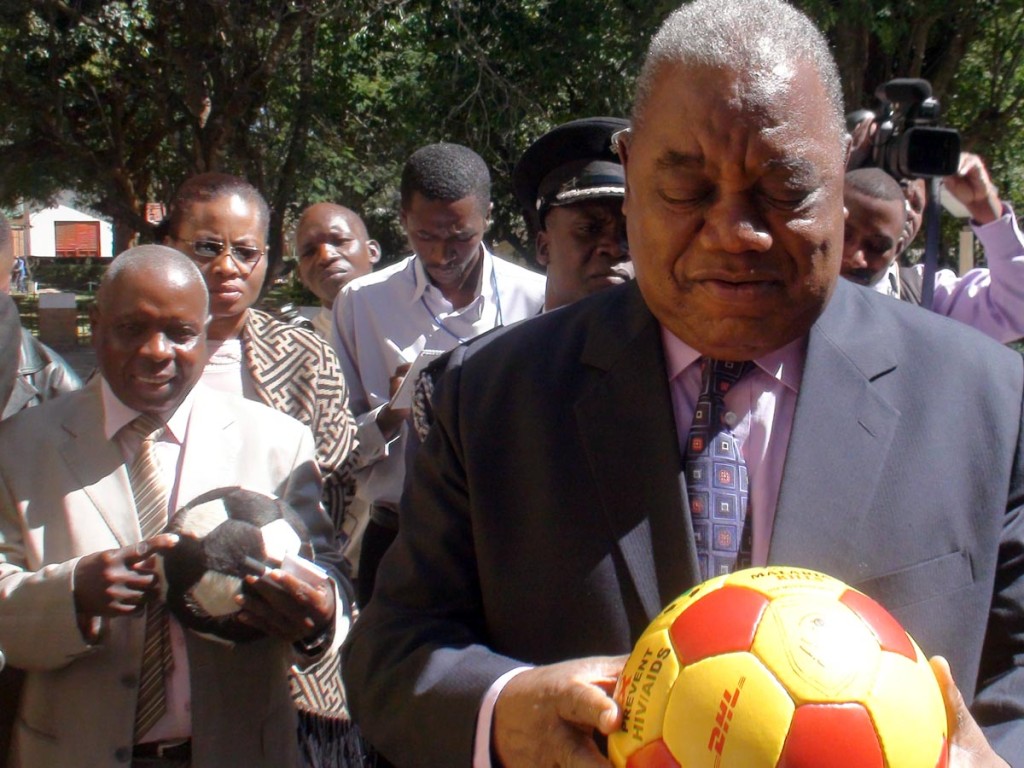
[64, 493]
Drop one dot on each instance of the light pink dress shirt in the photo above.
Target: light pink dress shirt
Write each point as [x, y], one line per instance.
[760, 407]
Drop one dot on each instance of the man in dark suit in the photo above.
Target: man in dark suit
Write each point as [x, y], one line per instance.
[548, 519]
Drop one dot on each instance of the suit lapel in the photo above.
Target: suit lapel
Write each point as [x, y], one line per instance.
[842, 431]
[628, 432]
[98, 466]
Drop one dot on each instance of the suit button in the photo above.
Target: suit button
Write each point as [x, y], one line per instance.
[129, 680]
[123, 754]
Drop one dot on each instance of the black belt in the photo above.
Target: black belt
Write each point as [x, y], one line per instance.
[165, 750]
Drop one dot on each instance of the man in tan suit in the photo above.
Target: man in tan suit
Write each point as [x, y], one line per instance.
[76, 575]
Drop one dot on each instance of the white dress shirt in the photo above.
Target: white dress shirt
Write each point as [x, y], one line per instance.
[225, 372]
[387, 318]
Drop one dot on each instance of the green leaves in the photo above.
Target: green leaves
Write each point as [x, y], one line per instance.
[324, 99]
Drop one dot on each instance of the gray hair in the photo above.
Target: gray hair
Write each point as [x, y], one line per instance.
[749, 36]
[159, 259]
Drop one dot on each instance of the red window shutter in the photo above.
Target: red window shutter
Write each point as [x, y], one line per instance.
[19, 241]
[77, 238]
[155, 212]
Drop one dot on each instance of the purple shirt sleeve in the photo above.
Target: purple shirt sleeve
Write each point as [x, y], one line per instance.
[990, 300]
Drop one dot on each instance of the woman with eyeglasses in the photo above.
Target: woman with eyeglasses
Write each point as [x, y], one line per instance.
[221, 222]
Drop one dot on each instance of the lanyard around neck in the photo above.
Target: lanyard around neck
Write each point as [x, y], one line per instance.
[498, 320]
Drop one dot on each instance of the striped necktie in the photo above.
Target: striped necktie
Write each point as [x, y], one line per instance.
[151, 507]
[716, 475]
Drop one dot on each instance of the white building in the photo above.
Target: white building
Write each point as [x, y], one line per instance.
[62, 231]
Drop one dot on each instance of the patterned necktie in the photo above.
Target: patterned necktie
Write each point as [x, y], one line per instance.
[151, 506]
[716, 475]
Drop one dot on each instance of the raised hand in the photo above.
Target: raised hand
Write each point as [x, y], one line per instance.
[972, 186]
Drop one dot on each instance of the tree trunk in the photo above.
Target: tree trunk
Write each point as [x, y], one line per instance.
[301, 116]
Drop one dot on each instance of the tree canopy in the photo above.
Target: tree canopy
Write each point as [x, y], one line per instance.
[121, 100]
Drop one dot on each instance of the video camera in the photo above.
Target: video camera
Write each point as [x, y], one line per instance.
[908, 142]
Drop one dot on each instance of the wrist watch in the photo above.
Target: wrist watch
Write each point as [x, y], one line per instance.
[318, 643]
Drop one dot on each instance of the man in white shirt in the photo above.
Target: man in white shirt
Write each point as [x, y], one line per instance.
[450, 289]
[333, 248]
[76, 571]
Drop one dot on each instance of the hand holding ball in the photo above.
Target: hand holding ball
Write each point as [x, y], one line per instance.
[778, 668]
[219, 532]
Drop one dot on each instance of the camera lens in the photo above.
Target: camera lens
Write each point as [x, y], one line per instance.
[929, 152]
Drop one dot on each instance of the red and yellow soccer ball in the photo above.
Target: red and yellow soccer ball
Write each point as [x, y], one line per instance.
[778, 668]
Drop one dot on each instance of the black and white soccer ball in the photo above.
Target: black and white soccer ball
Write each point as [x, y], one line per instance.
[204, 572]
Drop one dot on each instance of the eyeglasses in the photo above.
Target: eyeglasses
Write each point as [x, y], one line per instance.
[245, 256]
[620, 137]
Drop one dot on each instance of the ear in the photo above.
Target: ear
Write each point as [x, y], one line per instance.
[487, 216]
[94, 319]
[374, 248]
[542, 253]
[901, 244]
[622, 140]
[402, 219]
[847, 149]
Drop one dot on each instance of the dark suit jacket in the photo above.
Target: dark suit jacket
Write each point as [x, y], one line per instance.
[547, 520]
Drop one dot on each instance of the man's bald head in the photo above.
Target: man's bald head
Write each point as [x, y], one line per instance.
[333, 248]
[167, 266]
[149, 327]
[873, 182]
[322, 211]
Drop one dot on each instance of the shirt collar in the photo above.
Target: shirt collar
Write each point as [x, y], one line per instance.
[117, 415]
[889, 283]
[421, 281]
[785, 364]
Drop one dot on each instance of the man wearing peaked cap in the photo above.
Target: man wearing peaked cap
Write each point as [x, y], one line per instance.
[570, 186]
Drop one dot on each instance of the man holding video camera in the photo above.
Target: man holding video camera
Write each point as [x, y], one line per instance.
[883, 219]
